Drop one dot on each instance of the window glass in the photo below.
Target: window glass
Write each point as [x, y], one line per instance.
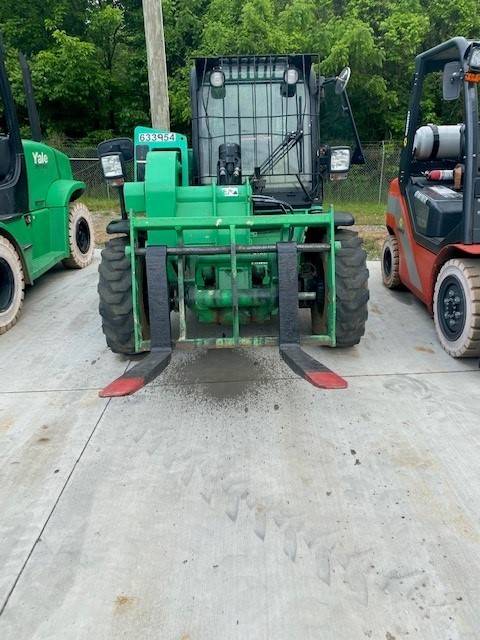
[3, 123]
[258, 115]
[336, 127]
[433, 108]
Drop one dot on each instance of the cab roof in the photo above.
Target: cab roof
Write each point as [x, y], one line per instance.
[453, 49]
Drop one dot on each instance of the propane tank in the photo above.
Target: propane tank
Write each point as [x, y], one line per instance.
[443, 141]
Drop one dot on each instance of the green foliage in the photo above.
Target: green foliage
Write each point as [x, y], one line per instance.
[68, 72]
[89, 68]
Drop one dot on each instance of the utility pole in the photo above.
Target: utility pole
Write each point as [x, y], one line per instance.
[157, 64]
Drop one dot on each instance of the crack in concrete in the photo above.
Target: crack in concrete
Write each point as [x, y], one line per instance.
[62, 490]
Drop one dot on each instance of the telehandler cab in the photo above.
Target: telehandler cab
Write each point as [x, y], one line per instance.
[234, 229]
[42, 222]
[433, 214]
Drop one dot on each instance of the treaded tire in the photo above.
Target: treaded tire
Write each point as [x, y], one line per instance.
[390, 262]
[115, 291]
[462, 277]
[351, 280]
[12, 285]
[351, 287]
[81, 237]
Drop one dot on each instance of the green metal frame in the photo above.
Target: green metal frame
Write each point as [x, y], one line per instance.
[287, 224]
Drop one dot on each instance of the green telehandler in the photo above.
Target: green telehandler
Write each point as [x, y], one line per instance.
[233, 230]
[42, 222]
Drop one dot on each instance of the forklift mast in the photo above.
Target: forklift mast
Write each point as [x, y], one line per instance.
[34, 118]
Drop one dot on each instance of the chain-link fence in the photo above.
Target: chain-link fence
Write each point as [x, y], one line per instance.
[86, 167]
[368, 182]
[365, 183]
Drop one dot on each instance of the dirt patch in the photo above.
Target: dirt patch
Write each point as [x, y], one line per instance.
[424, 349]
[223, 374]
[373, 237]
[123, 602]
[6, 423]
[100, 221]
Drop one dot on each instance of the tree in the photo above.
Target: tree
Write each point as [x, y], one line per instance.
[68, 75]
[89, 60]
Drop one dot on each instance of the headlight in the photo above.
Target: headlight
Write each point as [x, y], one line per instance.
[217, 78]
[290, 76]
[339, 159]
[112, 166]
[474, 60]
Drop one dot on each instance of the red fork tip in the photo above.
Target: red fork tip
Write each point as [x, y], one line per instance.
[326, 380]
[123, 386]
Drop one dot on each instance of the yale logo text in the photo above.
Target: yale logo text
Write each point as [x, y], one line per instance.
[40, 158]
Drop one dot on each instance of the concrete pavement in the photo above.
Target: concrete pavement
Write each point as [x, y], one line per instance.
[230, 499]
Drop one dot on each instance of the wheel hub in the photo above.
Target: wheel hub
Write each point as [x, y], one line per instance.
[451, 308]
[82, 235]
[7, 285]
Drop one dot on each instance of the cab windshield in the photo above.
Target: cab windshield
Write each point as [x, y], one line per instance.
[256, 109]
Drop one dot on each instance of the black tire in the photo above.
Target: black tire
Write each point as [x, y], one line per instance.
[456, 307]
[390, 262]
[12, 285]
[81, 237]
[351, 282]
[115, 291]
[351, 287]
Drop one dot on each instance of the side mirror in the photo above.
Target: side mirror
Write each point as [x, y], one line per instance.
[113, 155]
[342, 80]
[452, 80]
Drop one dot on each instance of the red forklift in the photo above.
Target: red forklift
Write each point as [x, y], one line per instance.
[433, 213]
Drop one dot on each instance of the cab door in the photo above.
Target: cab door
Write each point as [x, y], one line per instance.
[13, 181]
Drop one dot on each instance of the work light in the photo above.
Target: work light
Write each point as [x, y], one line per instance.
[474, 60]
[290, 76]
[217, 79]
[112, 167]
[339, 159]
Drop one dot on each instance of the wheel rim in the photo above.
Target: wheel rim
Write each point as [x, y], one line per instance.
[7, 285]
[82, 235]
[387, 262]
[451, 308]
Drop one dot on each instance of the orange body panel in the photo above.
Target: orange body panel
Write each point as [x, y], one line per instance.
[419, 267]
